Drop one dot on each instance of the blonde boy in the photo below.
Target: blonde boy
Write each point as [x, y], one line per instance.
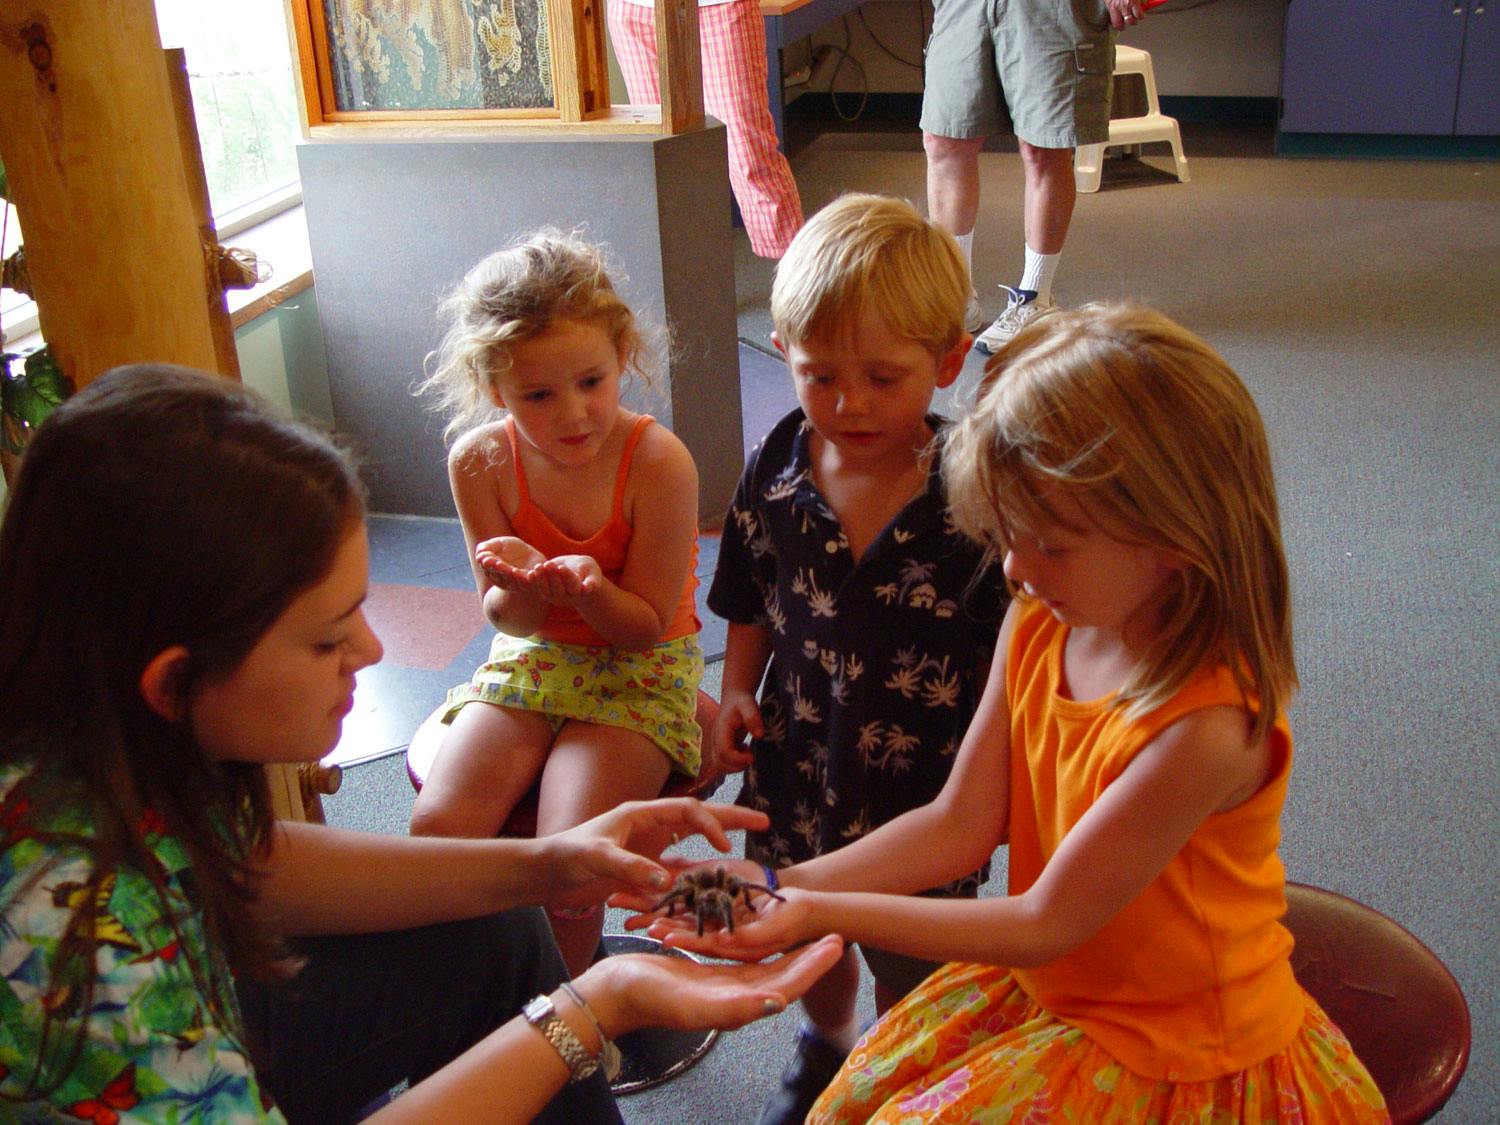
[855, 606]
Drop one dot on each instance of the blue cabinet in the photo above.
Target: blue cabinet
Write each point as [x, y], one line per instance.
[1414, 67]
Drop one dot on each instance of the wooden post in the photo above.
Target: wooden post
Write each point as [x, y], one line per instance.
[226, 357]
[679, 65]
[94, 154]
[580, 67]
[101, 153]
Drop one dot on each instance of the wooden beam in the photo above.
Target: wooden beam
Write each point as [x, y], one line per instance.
[568, 63]
[679, 65]
[97, 173]
[226, 358]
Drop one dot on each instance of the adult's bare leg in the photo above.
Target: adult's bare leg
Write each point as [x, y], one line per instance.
[952, 181]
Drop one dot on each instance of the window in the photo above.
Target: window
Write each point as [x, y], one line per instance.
[239, 64]
[240, 68]
[17, 313]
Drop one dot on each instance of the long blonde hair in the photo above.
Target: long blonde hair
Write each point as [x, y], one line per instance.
[1125, 411]
[871, 254]
[511, 296]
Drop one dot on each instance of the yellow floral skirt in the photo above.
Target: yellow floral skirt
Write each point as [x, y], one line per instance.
[653, 692]
[969, 1045]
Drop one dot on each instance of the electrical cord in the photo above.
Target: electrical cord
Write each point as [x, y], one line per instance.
[845, 55]
[870, 31]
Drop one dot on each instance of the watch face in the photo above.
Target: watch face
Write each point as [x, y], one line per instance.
[537, 1009]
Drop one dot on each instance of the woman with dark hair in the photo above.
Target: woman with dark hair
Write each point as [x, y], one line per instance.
[181, 580]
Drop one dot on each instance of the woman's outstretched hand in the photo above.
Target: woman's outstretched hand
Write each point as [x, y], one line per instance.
[634, 990]
[621, 850]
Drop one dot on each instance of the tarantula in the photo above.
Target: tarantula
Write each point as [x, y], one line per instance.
[709, 894]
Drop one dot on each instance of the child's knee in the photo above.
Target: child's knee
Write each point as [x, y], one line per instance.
[443, 818]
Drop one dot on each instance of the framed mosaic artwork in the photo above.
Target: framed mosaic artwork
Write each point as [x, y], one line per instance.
[431, 63]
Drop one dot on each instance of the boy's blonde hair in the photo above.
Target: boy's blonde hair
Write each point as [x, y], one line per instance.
[1127, 412]
[511, 296]
[871, 254]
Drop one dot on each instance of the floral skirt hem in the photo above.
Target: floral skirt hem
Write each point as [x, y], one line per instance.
[969, 1045]
[652, 692]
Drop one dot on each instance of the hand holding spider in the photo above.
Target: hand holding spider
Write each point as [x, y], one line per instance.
[709, 894]
[720, 921]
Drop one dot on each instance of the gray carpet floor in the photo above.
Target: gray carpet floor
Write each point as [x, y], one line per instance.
[1358, 300]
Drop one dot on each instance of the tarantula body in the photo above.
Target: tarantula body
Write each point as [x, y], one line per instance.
[709, 894]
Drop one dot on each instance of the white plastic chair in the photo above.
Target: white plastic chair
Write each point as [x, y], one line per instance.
[1152, 126]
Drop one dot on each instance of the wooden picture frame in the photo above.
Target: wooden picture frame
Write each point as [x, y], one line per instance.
[425, 67]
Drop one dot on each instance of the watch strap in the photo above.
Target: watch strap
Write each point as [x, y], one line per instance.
[609, 1054]
[542, 1015]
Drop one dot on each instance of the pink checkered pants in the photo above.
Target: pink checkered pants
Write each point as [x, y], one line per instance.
[733, 41]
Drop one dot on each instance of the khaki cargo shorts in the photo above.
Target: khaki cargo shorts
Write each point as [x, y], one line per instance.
[1040, 69]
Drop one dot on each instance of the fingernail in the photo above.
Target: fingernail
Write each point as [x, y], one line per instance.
[771, 1005]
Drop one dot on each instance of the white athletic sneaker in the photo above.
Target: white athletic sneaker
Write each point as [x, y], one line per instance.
[973, 314]
[1021, 309]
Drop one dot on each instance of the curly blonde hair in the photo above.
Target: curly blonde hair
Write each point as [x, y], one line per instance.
[876, 254]
[1125, 411]
[514, 295]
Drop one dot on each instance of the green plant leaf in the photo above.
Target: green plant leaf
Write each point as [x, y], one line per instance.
[28, 398]
[46, 378]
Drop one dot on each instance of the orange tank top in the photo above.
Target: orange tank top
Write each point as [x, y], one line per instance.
[1192, 980]
[608, 547]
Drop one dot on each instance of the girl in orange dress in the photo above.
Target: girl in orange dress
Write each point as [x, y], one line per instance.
[1132, 747]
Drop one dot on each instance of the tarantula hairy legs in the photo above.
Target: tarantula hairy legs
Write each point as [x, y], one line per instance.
[709, 893]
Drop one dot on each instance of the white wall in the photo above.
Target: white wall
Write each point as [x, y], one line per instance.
[1218, 48]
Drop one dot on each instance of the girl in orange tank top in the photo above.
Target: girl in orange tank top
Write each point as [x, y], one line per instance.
[1132, 749]
[581, 522]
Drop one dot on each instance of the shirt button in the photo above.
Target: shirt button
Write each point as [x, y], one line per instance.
[831, 546]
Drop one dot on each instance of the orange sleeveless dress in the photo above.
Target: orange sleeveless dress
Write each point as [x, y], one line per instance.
[1182, 1008]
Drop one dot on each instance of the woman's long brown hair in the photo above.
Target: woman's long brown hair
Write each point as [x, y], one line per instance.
[160, 506]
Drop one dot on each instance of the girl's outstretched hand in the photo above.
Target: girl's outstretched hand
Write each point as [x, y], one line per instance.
[566, 579]
[768, 925]
[621, 849]
[632, 990]
[507, 561]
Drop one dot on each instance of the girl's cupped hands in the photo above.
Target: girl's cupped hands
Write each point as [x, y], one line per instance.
[514, 565]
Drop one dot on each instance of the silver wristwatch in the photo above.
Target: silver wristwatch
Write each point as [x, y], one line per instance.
[543, 1016]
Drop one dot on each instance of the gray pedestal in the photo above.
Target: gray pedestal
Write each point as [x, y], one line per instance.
[393, 224]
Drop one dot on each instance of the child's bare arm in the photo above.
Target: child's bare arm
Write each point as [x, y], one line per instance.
[951, 836]
[662, 506]
[1201, 765]
[478, 466]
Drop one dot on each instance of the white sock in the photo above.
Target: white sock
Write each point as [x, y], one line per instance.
[843, 1038]
[966, 244]
[1040, 270]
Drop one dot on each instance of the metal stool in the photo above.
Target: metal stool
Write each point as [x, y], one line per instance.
[1398, 1005]
[650, 1055]
[1153, 125]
